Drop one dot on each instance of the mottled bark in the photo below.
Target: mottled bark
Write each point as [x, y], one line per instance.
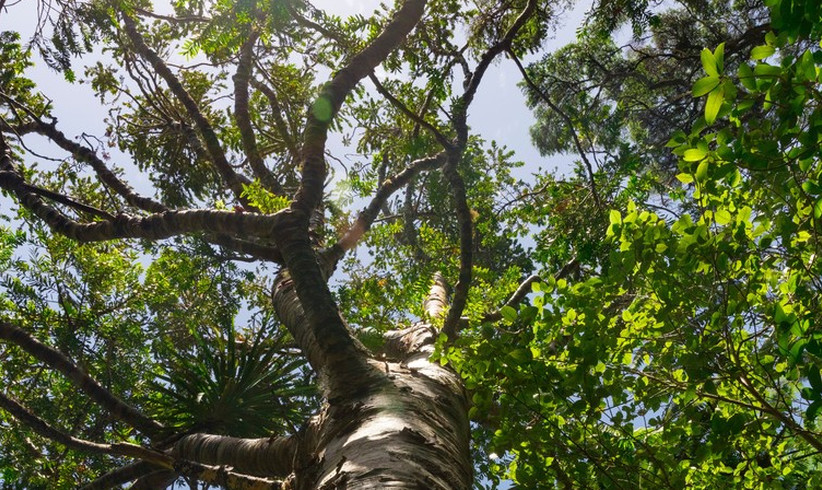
[409, 432]
[268, 456]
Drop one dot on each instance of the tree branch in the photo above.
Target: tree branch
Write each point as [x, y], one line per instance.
[88, 156]
[436, 302]
[525, 288]
[58, 361]
[120, 476]
[276, 114]
[267, 456]
[241, 115]
[225, 477]
[418, 120]
[463, 212]
[233, 180]
[42, 428]
[367, 216]
[544, 97]
[333, 95]
[342, 360]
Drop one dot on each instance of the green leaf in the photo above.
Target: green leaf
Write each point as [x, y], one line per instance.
[762, 52]
[615, 217]
[694, 155]
[719, 55]
[764, 70]
[704, 85]
[702, 171]
[815, 379]
[521, 355]
[709, 62]
[685, 178]
[508, 313]
[723, 217]
[813, 410]
[746, 77]
[713, 104]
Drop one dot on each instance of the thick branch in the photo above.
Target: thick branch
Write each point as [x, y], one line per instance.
[233, 180]
[333, 95]
[88, 156]
[58, 361]
[342, 359]
[157, 226]
[41, 427]
[255, 250]
[466, 234]
[336, 356]
[241, 115]
[436, 302]
[268, 456]
[451, 172]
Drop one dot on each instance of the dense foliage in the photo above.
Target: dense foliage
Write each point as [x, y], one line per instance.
[666, 330]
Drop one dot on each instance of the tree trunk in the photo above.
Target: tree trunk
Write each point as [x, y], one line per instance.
[409, 431]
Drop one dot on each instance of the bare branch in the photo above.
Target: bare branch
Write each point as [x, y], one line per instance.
[341, 358]
[106, 176]
[570, 124]
[466, 232]
[58, 361]
[418, 120]
[367, 216]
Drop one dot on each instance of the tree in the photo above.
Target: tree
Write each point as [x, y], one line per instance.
[187, 329]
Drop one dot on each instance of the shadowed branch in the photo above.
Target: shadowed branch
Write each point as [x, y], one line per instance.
[58, 361]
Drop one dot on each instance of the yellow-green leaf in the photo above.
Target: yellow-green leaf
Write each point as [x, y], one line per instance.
[702, 171]
[694, 155]
[762, 52]
[704, 85]
[713, 104]
[709, 62]
[508, 313]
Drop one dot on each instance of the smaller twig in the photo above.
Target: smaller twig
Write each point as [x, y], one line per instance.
[525, 288]
[418, 120]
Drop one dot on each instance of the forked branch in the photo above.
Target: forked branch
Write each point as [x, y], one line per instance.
[232, 179]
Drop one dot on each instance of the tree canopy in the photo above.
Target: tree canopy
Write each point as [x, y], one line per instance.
[212, 292]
